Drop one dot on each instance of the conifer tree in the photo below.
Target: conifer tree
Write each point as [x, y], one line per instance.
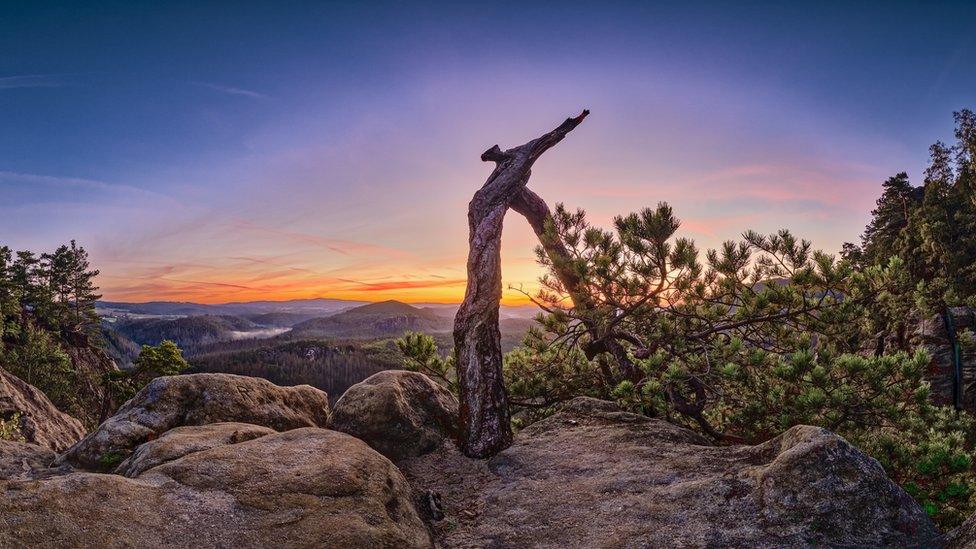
[81, 287]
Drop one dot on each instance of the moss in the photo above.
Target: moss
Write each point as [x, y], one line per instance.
[110, 460]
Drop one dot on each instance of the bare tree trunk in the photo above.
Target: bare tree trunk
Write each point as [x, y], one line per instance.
[484, 417]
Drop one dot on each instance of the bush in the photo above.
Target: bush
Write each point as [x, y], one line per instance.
[10, 429]
[419, 353]
[164, 359]
[931, 455]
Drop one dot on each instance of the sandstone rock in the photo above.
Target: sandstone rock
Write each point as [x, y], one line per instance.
[40, 422]
[92, 401]
[302, 488]
[399, 413]
[594, 476]
[21, 460]
[197, 399]
[181, 441]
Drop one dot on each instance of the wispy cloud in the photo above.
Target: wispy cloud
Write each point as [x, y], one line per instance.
[231, 90]
[405, 284]
[33, 179]
[32, 81]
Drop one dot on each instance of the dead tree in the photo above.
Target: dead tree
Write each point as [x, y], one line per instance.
[484, 416]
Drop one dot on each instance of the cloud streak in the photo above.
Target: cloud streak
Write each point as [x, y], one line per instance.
[32, 81]
[232, 90]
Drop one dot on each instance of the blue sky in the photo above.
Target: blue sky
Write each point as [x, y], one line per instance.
[217, 151]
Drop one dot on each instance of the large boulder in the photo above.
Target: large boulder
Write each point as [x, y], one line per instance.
[39, 421]
[197, 399]
[182, 441]
[301, 488]
[401, 414]
[594, 476]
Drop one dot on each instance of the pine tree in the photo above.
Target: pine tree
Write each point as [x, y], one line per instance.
[889, 219]
[9, 297]
[58, 266]
[930, 228]
[82, 289]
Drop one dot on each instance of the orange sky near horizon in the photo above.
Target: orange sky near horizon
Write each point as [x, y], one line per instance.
[270, 153]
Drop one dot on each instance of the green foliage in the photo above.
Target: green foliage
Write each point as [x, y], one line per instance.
[55, 290]
[761, 394]
[38, 359]
[10, 428]
[420, 355]
[110, 460]
[45, 302]
[539, 378]
[930, 228]
[164, 359]
[931, 454]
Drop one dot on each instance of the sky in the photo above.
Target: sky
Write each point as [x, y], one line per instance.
[233, 151]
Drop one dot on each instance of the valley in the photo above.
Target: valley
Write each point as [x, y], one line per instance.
[328, 344]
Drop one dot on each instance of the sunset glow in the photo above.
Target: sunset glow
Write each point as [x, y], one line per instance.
[208, 157]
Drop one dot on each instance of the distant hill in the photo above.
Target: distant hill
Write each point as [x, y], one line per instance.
[313, 307]
[280, 320]
[186, 332]
[383, 319]
[201, 328]
[388, 307]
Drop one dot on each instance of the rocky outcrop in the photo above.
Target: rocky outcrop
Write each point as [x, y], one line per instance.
[302, 488]
[932, 334]
[91, 401]
[39, 421]
[591, 475]
[198, 399]
[401, 414]
[182, 441]
[594, 476]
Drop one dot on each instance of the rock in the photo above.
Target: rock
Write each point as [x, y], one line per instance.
[594, 476]
[91, 401]
[963, 537]
[181, 441]
[399, 413]
[932, 334]
[302, 488]
[196, 399]
[21, 460]
[40, 422]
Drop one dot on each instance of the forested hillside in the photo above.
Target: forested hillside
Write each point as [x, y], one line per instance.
[187, 332]
[327, 365]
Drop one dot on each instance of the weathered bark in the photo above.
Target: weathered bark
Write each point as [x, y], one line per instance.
[484, 416]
